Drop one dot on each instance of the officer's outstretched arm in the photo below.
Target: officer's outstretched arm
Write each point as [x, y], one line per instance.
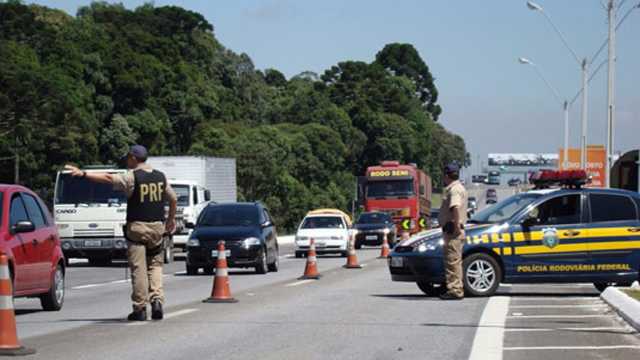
[104, 178]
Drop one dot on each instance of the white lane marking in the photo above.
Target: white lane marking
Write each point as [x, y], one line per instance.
[517, 314]
[586, 329]
[506, 285]
[183, 272]
[601, 305]
[179, 313]
[550, 298]
[610, 347]
[487, 343]
[559, 316]
[298, 283]
[85, 286]
[123, 281]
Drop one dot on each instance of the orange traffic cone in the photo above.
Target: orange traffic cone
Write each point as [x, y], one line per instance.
[384, 251]
[9, 343]
[311, 269]
[352, 258]
[221, 292]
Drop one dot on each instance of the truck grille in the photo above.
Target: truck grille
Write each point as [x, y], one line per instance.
[104, 232]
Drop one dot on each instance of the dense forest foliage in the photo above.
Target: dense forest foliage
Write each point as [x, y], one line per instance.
[81, 89]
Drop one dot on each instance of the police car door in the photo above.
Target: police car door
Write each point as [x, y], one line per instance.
[551, 242]
[615, 236]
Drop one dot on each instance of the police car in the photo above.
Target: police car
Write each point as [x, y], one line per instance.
[566, 234]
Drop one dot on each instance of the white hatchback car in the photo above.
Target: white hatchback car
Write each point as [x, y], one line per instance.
[331, 232]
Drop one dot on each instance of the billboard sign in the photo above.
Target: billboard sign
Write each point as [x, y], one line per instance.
[523, 159]
[596, 155]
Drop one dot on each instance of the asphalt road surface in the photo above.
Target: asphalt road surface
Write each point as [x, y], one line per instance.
[347, 314]
[480, 193]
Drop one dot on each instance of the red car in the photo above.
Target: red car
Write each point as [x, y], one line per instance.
[31, 242]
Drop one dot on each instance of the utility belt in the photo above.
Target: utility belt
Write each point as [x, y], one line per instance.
[449, 228]
[150, 251]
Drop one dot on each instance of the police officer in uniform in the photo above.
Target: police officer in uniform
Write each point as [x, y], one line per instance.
[147, 192]
[453, 216]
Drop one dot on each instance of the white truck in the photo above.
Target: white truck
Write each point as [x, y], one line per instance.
[197, 181]
[90, 218]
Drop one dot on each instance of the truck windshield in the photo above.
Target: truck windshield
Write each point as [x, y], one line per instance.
[73, 190]
[230, 215]
[504, 210]
[390, 188]
[182, 192]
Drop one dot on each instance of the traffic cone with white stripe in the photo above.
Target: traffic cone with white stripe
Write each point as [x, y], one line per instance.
[311, 269]
[221, 293]
[384, 251]
[9, 343]
[352, 258]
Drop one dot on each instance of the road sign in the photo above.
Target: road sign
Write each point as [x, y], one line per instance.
[406, 224]
[422, 222]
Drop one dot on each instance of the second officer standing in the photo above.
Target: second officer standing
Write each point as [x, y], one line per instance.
[452, 217]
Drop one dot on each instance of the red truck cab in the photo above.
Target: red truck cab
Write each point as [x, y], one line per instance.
[402, 191]
[29, 238]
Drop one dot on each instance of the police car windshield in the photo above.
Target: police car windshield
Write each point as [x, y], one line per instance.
[230, 215]
[504, 210]
[75, 190]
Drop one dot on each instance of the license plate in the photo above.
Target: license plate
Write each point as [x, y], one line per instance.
[372, 237]
[397, 262]
[92, 243]
[214, 253]
[321, 244]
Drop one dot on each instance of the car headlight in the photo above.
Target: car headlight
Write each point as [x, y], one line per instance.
[429, 246]
[193, 242]
[248, 242]
[63, 226]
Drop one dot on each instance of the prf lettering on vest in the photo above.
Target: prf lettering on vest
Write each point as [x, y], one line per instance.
[151, 192]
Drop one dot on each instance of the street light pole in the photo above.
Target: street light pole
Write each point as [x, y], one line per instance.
[565, 106]
[585, 79]
[611, 9]
[585, 99]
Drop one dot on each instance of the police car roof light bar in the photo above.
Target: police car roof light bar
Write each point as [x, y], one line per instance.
[567, 178]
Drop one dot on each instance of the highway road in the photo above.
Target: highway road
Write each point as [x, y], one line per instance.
[347, 314]
[480, 193]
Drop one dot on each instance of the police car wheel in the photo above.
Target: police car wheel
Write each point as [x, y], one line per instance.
[602, 286]
[481, 275]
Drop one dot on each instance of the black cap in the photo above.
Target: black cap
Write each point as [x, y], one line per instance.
[138, 151]
[452, 168]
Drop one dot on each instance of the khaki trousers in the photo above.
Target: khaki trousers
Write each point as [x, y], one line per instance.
[145, 257]
[453, 264]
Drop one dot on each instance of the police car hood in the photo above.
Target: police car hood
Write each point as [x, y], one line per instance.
[436, 234]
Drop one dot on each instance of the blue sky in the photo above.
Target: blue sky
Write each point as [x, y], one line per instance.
[471, 47]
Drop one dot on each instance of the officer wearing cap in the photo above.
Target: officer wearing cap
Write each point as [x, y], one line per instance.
[147, 191]
[452, 217]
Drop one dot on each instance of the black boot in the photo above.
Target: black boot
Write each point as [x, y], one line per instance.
[156, 310]
[138, 315]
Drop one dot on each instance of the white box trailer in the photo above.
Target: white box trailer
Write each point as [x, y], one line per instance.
[218, 175]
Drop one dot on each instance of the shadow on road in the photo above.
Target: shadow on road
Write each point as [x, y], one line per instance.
[414, 297]
[19, 312]
[545, 293]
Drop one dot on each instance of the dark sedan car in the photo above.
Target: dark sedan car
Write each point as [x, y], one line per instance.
[372, 227]
[249, 234]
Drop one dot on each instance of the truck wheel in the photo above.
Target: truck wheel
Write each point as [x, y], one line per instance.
[54, 298]
[481, 275]
[192, 270]
[273, 267]
[168, 255]
[298, 254]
